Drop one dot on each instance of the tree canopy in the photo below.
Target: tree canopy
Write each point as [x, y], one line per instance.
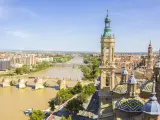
[74, 106]
[26, 68]
[77, 89]
[37, 115]
[63, 95]
[52, 105]
[92, 70]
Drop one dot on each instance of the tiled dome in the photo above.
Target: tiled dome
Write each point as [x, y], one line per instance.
[152, 107]
[130, 105]
[120, 89]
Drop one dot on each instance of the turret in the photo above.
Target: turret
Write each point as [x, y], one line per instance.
[151, 109]
[132, 83]
[150, 50]
[124, 74]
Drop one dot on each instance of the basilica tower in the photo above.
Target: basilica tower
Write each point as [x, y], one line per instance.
[107, 69]
[149, 60]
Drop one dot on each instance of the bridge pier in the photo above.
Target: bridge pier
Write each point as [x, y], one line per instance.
[38, 84]
[6, 83]
[21, 83]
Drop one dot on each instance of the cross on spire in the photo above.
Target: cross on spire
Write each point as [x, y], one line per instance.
[107, 12]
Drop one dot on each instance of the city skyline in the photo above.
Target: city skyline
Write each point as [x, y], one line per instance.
[77, 25]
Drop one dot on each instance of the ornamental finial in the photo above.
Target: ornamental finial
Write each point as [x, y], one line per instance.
[107, 12]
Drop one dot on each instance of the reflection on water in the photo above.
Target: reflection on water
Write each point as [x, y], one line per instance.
[14, 101]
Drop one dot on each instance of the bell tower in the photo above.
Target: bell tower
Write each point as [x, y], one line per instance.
[107, 70]
[107, 56]
[149, 61]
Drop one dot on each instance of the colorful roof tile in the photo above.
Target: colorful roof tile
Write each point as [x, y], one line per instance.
[120, 89]
[130, 105]
[147, 87]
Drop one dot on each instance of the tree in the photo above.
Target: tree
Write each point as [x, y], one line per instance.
[77, 89]
[37, 115]
[63, 95]
[83, 97]
[18, 71]
[52, 105]
[89, 89]
[74, 106]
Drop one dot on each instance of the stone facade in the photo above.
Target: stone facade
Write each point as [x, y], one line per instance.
[107, 72]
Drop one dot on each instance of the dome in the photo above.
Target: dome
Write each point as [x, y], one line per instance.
[132, 80]
[124, 72]
[120, 89]
[107, 32]
[107, 20]
[147, 87]
[130, 105]
[152, 107]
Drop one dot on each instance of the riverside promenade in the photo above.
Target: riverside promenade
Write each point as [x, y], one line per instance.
[52, 116]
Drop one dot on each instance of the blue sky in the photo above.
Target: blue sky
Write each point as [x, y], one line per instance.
[76, 25]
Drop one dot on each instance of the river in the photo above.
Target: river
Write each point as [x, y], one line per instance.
[14, 101]
[64, 72]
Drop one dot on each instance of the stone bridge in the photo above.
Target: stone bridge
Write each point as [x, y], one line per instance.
[38, 83]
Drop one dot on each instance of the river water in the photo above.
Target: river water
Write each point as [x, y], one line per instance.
[14, 101]
[64, 72]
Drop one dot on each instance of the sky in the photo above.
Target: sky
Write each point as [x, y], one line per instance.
[76, 25]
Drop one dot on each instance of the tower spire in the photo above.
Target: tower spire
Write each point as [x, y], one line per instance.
[150, 44]
[107, 29]
[107, 12]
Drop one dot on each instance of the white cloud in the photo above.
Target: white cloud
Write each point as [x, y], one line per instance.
[18, 33]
